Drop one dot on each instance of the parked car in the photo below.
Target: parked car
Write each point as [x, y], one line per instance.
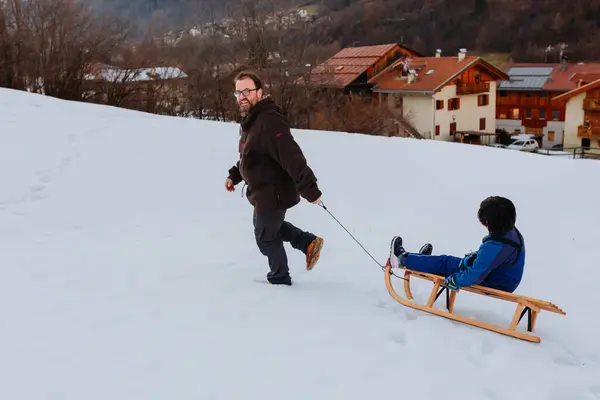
[524, 145]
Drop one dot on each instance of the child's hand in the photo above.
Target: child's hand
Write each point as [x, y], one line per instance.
[468, 260]
[449, 283]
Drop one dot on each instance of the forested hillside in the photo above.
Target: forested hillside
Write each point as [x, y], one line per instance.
[523, 28]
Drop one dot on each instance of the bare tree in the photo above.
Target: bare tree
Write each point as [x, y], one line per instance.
[67, 38]
[48, 46]
[354, 113]
[14, 44]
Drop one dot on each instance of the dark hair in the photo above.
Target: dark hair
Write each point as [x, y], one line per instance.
[251, 75]
[498, 214]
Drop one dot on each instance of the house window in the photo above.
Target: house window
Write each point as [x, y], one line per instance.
[439, 104]
[515, 113]
[437, 130]
[452, 128]
[542, 113]
[528, 113]
[556, 115]
[551, 136]
[454, 104]
[483, 100]
[481, 124]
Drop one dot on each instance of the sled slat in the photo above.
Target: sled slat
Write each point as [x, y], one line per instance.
[544, 305]
[526, 307]
[434, 291]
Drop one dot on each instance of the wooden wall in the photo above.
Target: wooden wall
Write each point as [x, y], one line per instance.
[539, 104]
[592, 107]
[470, 75]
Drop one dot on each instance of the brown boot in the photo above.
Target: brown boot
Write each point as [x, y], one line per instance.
[313, 251]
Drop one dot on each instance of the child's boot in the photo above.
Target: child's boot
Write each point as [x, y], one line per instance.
[397, 252]
[427, 249]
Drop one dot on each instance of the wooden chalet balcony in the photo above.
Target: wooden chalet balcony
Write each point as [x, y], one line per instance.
[588, 133]
[591, 104]
[533, 102]
[472, 88]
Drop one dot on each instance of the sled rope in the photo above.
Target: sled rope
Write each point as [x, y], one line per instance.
[365, 250]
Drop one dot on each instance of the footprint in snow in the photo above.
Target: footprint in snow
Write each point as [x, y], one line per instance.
[398, 337]
[65, 163]
[567, 361]
[6, 204]
[491, 395]
[567, 358]
[381, 304]
[37, 192]
[479, 350]
[411, 315]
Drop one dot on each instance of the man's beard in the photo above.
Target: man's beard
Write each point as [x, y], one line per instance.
[245, 107]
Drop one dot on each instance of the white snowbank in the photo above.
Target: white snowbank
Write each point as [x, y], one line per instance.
[127, 269]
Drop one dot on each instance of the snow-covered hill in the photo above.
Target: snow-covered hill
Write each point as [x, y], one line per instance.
[127, 271]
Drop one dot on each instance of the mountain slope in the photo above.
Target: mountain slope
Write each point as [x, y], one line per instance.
[127, 269]
[523, 28]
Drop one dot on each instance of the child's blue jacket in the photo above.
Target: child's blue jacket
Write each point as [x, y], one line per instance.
[498, 263]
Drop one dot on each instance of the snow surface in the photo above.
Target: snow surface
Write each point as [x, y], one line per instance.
[127, 269]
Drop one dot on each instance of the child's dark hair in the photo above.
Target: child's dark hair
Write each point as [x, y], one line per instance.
[498, 214]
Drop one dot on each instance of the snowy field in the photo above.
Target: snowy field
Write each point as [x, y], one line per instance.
[127, 270]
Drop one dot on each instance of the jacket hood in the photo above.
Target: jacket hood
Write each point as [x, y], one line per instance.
[513, 235]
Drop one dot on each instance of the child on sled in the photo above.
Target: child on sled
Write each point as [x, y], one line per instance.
[497, 264]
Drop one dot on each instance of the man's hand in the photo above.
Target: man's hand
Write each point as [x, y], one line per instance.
[229, 186]
[317, 201]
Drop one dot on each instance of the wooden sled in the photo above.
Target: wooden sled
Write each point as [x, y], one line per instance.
[525, 304]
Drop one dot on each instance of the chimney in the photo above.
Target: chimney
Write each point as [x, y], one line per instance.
[563, 63]
[462, 54]
[563, 57]
[412, 76]
[438, 53]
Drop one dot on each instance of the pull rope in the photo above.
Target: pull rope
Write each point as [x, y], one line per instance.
[365, 250]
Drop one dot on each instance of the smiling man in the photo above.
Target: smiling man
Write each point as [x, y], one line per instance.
[273, 166]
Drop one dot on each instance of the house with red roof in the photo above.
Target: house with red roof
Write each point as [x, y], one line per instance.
[525, 105]
[451, 98]
[582, 115]
[351, 68]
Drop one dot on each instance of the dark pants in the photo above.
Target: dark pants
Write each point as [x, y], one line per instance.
[439, 265]
[270, 231]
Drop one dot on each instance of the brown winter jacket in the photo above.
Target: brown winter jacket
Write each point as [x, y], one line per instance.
[271, 161]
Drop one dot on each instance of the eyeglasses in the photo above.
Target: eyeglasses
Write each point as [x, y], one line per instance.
[245, 92]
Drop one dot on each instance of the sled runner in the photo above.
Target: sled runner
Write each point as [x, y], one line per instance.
[525, 304]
